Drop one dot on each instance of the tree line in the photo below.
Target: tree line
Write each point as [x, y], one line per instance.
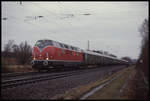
[143, 61]
[21, 53]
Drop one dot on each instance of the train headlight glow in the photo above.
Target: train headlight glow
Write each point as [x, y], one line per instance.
[46, 58]
[33, 58]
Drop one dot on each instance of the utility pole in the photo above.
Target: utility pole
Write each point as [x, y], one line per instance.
[20, 2]
[88, 45]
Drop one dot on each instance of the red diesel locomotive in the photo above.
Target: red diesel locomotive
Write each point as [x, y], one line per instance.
[49, 54]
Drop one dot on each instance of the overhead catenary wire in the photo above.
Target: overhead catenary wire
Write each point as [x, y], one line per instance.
[17, 19]
[49, 14]
[48, 11]
[61, 10]
[29, 20]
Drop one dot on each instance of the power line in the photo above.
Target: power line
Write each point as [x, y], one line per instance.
[48, 11]
[44, 10]
[33, 18]
[67, 21]
[19, 20]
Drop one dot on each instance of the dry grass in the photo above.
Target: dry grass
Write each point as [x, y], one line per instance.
[10, 65]
[77, 92]
[112, 90]
[136, 88]
[20, 68]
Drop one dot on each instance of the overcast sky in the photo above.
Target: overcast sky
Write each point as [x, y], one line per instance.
[109, 26]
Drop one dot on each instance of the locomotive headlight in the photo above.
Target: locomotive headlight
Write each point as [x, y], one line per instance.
[34, 58]
[47, 56]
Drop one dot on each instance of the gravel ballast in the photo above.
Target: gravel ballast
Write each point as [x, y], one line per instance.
[49, 88]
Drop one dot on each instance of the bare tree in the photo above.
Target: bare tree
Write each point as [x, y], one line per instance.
[8, 48]
[144, 30]
[23, 52]
[143, 60]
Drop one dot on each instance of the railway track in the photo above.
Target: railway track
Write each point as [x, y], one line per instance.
[41, 77]
[9, 76]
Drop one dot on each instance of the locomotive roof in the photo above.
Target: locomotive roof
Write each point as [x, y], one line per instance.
[69, 46]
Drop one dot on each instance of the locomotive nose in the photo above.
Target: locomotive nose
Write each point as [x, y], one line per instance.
[32, 62]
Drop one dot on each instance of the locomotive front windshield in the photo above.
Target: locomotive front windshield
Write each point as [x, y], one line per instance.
[43, 43]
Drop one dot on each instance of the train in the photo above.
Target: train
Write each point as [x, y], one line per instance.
[47, 54]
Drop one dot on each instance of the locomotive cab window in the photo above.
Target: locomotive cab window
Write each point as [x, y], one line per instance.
[62, 46]
[57, 44]
[43, 43]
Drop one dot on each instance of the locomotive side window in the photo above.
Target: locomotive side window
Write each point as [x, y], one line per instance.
[72, 48]
[66, 46]
[75, 48]
[70, 52]
[69, 47]
[77, 53]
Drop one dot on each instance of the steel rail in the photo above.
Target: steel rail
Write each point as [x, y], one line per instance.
[6, 75]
